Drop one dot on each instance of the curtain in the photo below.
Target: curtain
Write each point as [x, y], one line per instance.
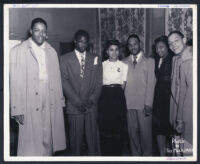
[119, 23]
[179, 19]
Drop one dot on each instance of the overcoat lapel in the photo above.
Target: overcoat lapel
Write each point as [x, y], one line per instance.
[31, 50]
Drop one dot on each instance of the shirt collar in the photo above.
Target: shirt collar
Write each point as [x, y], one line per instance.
[35, 46]
[139, 55]
[79, 53]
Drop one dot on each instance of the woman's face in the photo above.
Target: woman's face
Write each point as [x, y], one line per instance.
[161, 49]
[113, 52]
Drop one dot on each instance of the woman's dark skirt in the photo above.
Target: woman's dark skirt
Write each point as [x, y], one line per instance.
[161, 125]
[112, 120]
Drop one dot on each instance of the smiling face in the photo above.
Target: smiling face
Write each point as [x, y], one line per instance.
[134, 46]
[39, 33]
[113, 52]
[81, 43]
[176, 43]
[161, 49]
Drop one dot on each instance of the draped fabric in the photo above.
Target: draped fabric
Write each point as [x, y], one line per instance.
[119, 23]
[179, 19]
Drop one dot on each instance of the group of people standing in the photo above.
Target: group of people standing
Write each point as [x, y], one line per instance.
[106, 102]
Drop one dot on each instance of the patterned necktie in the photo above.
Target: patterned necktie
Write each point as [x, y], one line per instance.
[134, 60]
[82, 65]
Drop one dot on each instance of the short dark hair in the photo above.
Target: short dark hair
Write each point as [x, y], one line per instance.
[176, 32]
[80, 33]
[163, 39]
[133, 36]
[38, 20]
[112, 42]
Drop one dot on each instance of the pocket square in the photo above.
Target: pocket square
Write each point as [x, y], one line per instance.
[96, 60]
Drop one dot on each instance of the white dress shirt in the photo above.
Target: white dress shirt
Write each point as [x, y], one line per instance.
[39, 52]
[160, 62]
[78, 55]
[139, 55]
[114, 72]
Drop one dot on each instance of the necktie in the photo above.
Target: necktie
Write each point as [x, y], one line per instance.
[134, 60]
[82, 65]
[160, 62]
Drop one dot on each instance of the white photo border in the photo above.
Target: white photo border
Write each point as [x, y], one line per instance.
[6, 116]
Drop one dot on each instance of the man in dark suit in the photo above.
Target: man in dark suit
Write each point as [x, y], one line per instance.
[139, 93]
[81, 74]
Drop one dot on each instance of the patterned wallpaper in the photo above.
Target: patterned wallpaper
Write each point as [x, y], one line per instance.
[119, 23]
[179, 19]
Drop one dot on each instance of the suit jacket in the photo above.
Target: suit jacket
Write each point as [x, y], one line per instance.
[181, 102]
[77, 88]
[139, 90]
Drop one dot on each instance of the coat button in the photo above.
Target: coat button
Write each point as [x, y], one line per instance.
[36, 93]
[37, 109]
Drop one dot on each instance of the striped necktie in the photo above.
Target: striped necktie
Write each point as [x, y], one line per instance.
[82, 65]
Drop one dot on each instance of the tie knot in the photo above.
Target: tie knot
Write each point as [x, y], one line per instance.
[134, 60]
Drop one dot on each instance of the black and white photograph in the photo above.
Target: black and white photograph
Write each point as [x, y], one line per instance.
[100, 82]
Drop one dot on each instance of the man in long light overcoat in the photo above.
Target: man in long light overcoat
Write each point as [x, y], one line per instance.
[181, 102]
[36, 97]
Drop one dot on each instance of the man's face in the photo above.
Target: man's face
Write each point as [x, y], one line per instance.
[176, 43]
[39, 33]
[81, 43]
[134, 46]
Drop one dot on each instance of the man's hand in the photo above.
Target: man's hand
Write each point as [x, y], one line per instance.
[87, 104]
[19, 119]
[180, 126]
[81, 109]
[147, 110]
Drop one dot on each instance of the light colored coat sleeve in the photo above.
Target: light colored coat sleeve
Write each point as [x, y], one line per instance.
[186, 86]
[17, 73]
[151, 81]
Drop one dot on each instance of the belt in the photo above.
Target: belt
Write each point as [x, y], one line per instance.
[112, 85]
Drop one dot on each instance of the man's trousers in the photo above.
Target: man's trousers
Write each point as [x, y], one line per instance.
[80, 126]
[140, 132]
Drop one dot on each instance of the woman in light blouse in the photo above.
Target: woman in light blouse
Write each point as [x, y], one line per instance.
[112, 103]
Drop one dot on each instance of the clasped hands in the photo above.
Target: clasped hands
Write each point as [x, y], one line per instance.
[147, 110]
[83, 106]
